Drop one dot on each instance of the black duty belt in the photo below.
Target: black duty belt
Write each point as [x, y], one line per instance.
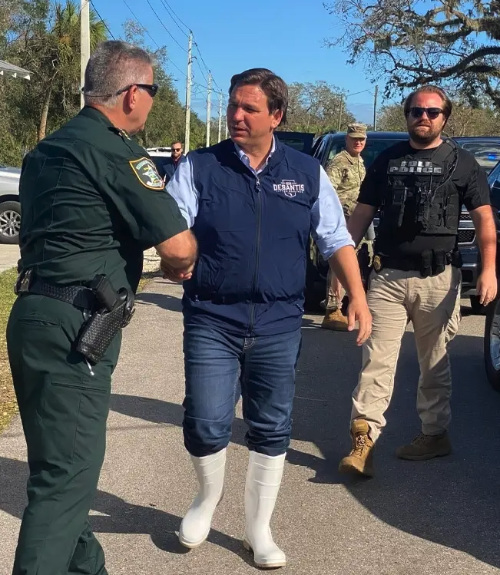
[429, 263]
[79, 296]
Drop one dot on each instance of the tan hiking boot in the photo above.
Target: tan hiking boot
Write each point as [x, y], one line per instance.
[425, 447]
[360, 460]
[334, 320]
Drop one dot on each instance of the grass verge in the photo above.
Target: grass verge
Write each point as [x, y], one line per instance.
[8, 404]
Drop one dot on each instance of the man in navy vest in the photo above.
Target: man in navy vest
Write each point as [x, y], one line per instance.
[252, 203]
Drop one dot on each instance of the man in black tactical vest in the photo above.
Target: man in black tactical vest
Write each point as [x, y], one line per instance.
[419, 187]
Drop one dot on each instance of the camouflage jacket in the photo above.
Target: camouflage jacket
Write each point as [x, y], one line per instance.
[346, 174]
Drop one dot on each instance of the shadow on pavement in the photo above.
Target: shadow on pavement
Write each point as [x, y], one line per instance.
[157, 411]
[161, 300]
[119, 515]
[451, 501]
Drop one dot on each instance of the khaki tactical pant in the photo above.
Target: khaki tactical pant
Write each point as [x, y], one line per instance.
[432, 304]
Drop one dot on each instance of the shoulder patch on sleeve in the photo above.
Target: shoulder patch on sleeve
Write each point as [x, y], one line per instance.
[147, 174]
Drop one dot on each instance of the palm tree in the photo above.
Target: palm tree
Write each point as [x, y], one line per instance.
[61, 58]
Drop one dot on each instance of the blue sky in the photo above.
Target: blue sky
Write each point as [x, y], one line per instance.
[287, 36]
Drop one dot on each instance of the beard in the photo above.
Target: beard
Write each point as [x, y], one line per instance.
[424, 133]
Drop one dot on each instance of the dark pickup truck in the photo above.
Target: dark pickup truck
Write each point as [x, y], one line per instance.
[492, 324]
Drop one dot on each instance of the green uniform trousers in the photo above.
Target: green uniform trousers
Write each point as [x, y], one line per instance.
[63, 410]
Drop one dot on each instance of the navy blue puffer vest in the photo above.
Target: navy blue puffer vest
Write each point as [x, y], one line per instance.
[253, 237]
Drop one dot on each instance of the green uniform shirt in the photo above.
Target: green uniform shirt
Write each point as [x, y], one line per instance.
[92, 202]
[346, 174]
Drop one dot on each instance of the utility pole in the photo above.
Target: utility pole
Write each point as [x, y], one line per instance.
[188, 94]
[375, 108]
[84, 44]
[209, 106]
[220, 117]
[340, 112]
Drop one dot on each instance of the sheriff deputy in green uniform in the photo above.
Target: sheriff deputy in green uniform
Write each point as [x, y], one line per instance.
[346, 172]
[91, 201]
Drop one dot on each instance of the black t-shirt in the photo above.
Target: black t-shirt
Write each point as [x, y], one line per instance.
[468, 177]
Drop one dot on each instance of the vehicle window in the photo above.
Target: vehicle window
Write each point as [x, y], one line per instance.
[373, 149]
[320, 151]
[487, 153]
[296, 143]
[494, 175]
[494, 182]
[335, 149]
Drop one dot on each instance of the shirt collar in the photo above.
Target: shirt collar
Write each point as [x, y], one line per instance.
[246, 160]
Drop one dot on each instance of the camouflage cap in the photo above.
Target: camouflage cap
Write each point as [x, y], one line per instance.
[356, 130]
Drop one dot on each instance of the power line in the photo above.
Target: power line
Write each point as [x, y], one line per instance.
[152, 39]
[143, 27]
[166, 29]
[170, 12]
[99, 16]
[201, 70]
[164, 2]
[183, 73]
[206, 67]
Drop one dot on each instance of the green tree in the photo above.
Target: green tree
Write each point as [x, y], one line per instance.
[316, 108]
[455, 43]
[167, 119]
[46, 41]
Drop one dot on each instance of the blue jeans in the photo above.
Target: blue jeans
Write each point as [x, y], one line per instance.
[264, 366]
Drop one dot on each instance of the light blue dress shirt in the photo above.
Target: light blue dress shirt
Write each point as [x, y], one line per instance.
[328, 226]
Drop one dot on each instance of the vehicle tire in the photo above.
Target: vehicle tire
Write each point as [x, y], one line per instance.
[477, 308]
[492, 343]
[10, 222]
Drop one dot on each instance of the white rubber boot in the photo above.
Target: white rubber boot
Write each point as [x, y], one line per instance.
[261, 490]
[195, 526]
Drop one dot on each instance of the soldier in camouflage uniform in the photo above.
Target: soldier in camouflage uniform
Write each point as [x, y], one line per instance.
[346, 172]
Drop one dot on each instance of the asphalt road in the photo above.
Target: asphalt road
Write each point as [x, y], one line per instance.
[413, 518]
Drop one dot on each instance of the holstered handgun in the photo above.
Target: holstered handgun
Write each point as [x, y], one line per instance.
[364, 264]
[439, 262]
[103, 325]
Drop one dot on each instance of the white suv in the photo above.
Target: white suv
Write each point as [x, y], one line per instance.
[10, 208]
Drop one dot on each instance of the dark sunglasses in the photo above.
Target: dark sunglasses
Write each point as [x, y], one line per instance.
[176, 149]
[418, 112]
[150, 88]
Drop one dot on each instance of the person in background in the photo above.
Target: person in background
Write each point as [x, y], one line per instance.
[171, 163]
[346, 172]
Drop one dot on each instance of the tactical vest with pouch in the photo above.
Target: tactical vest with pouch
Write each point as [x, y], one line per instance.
[421, 194]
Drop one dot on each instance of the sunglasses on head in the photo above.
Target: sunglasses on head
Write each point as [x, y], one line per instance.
[150, 88]
[418, 112]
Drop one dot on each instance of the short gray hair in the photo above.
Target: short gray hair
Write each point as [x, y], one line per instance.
[113, 66]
